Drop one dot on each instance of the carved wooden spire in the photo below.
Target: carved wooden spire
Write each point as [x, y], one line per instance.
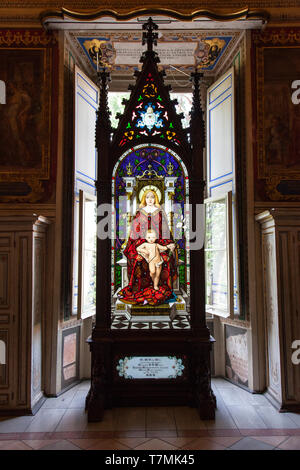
[103, 126]
[148, 35]
[196, 111]
[197, 127]
[196, 198]
[103, 185]
[150, 38]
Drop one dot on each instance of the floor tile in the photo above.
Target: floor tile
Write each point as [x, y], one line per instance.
[62, 401]
[178, 441]
[188, 418]
[246, 417]
[84, 385]
[294, 417]
[129, 418]
[160, 418]
[132, 442]
[107, 423]
[271, 440]
[94, 435]
[108, 444]
[267, 432]
[192, 433]
[46, 420]
[78, 399]
[292, 443]
[232, 396]
[161, 434]
[130, 434]
[203, 444]
[248, 443]
[16, 424]
[73, 420]
[39, 443]
[84, 443]
[224, 432]
[223, 419]
[253, 398]
[14, 445]
[225, 441]
[219, 382]
[273, 419]
[156, 444]
[60, 445]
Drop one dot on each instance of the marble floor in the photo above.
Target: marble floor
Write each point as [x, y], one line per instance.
[243, 421]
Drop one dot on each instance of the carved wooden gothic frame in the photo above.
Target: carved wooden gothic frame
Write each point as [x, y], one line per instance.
[107, 345]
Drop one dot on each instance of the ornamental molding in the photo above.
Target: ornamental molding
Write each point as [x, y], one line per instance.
[215, 15]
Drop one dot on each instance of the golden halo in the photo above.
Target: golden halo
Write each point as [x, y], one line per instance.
[152, 188]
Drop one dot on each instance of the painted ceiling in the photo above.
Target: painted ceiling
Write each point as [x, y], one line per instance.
[120, 51]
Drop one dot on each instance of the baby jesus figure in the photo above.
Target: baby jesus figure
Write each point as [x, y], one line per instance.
[151, 252]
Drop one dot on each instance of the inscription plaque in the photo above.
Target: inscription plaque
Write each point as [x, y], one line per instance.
[150, 367]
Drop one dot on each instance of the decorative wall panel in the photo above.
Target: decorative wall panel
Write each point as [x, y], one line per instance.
[276, 117]
[236, 360]
[271, 312]
[70, 356]
[4, 293]
[3, 358]
[280, 257]
[38, 294]
[28, 133]
[22, 316]
[24, 279]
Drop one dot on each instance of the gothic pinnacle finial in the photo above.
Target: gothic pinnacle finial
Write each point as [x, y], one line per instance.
[197, 127]
[149, 36]
[103, 126]
[196, 78]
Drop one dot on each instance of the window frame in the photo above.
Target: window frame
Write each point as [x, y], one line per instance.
[83, 198]
[210, 309]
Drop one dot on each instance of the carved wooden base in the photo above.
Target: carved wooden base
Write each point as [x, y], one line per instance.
[108, 389]
[205, 398]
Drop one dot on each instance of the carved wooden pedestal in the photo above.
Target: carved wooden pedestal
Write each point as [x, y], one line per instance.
[150, 133]
[108, 389]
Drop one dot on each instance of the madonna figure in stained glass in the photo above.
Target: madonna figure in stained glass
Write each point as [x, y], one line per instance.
[146, 287]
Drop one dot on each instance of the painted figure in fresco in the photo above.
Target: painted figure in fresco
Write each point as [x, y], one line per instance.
[141, 288]
[293, 156]
[19, 135]
[15, 118]
[151, 252]
[276, 142]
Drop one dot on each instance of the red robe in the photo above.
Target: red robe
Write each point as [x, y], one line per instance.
[140, 287]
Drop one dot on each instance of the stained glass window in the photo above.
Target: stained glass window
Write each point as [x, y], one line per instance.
[157, 169]
[149, 117]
